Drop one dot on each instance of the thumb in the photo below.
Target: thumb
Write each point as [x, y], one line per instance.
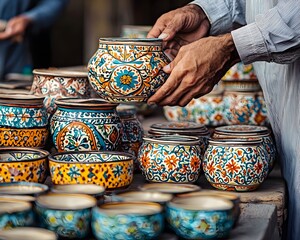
[172, 28]
[169, 68]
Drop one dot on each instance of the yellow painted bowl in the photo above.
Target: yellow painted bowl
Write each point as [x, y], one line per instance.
[23, 164]
[111, 170]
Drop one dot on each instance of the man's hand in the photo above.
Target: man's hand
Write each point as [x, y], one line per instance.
[15, 28]
[196, 69]
[180, 27]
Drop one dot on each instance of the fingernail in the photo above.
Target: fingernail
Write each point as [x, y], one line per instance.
[163, 36]
[167, 68]
[151, 104]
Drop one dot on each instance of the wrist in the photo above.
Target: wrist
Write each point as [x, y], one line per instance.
[230, 47]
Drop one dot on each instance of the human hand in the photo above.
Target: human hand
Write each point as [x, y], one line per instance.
[15, 28]
[196, 69]
[180, 27]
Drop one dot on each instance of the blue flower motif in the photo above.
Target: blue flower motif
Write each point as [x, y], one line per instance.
[118, 171]
[126, 79]
[74, 172]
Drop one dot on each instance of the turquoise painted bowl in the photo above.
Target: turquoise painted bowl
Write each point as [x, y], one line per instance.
[127, 220]
[27, 233]
[202, 217]
[23, 188]
[15, 213]
[68, 215]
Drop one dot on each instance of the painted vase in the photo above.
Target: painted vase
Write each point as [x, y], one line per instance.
[175, 158]
[250, 132]
[85, 124]
[245, 108]
[236, 164]
[56, 84]
[23, 121]
[127, 70]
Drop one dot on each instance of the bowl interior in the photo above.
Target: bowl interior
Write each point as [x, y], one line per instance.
[145, 196]
[66, 201]
[22, 188]
[91, 189]
[27, 233]
[229, 196]
[170, 187]
[11, 206]
[14, 155]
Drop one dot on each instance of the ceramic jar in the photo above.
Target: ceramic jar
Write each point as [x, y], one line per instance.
[55, 84]
[248, 132]
[23, 121]
[133, 132]
[240, 165]
[183, 128]
[244, 108]
[85, 124]
[127, 70]
[175, 158]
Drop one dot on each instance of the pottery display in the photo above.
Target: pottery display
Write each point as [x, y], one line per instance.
[27, 233]
[240, 72]
[55, 84]
[248, 85]
[23, 164]
[171, 188]
[85, 124]
[127, 220]
[133, 132]
[174, 158]
[23, 121]
[250, 131]
[68, 215]
[23, 188]
[15, 213]
[111, 170]
[240, 165]
[127, 70]
[135, 31]
[211, 219]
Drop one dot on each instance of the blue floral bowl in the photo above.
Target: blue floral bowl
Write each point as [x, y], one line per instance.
[202, 217]
[127, 221]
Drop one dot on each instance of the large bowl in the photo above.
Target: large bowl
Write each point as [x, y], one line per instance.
[23, 164]
[127, 70]
[111, 170]
[127, 220]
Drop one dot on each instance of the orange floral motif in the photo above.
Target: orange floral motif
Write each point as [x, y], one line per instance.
[218, 117]
[259, 118]
[145, 161]
[232, 167]
[258, 167]
[210, 168]
[201, 120]
[195, 163]
[171, 162]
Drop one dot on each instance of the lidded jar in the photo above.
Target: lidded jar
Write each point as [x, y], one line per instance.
[127, 70]
[236, 164]
[85, 124]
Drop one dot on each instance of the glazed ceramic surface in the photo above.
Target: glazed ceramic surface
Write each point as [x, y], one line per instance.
[211, 219]
[232, 165]
[244, 108]
[141, 196]
[174, 159]
[108, 169]
[240, 72]
[242, 86]
[23, 164]
[15, 213]
[130, 221]
[69, 215]
[127, 70]
[55, 84]
[27, 233]
[23, 188]
[82, 125]
[172, 188]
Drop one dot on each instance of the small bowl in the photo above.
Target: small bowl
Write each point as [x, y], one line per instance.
[23, 188]
[202, 217]
[27, 233]
[111, 170]
[23, 164]
[127, 220]
[172, 188]
[15, 213]
[69, 215]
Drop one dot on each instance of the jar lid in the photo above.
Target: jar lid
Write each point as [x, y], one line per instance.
[21, 99]
[188, 128]
[173, 139]
[242, 129]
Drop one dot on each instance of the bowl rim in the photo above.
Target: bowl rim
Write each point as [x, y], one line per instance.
[129, 156]
[163, 139]
[156, 187]
[44, 153]
[127, 196]
[237, 129]
[91, 103]
[60, 73]
[125, 41]
[43, 187]
[23, 205]
[228, 195]
[17, 232]
[232, 142]
[60, 188]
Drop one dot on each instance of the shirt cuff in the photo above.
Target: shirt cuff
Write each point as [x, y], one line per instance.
[218, 15]
[250, 44]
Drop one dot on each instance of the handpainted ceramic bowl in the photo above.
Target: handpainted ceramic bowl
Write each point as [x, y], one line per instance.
[248, 132]
[68, 215]
[127, 70]
[23, 164]
[55, 84]
[27, 233]
[15, 213]
[127, 220]
[23, 121]
[23, 188]
[171, 188]
[203, 217]
[240, 165]
[85, 125]
[174, 159]
[111, 170]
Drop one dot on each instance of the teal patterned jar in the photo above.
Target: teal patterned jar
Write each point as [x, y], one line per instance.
[127, 70]
[85, 124]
